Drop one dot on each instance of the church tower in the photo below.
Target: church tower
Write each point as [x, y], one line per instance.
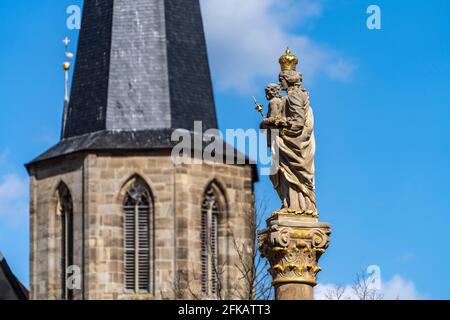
[112, 216]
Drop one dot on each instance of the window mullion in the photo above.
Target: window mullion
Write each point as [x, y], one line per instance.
[136, 248]
[66, 218]
[63, 254]
[210, 253]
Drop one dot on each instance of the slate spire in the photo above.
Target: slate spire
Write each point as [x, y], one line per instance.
[141, 72]
[141, 65]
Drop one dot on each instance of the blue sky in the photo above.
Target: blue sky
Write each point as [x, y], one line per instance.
[382, 107]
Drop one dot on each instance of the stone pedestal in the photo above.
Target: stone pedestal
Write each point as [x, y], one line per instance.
[293, 245]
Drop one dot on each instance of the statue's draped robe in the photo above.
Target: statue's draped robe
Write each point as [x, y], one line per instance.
[296, 150]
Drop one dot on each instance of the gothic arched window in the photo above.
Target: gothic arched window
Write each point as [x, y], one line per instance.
[212, 207]
[138, 239]
[65, 213]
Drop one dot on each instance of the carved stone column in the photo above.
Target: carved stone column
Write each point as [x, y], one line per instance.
[293, 245]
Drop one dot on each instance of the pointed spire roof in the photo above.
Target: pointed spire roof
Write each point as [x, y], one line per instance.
[141, 71]
[10, 287]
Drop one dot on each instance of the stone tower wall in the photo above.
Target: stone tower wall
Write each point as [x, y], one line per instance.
[97, 184]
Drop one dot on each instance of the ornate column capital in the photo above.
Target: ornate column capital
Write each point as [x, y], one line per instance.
[293, 245]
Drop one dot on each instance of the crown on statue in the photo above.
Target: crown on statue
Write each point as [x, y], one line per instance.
[288, 61]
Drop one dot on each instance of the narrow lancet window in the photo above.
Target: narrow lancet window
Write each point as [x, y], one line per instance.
[210, 214]
[138, 225]
[65, 213]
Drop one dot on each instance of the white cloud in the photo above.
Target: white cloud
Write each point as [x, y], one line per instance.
[13, 199]
[396, 288]
[401, 288]
[246, 38]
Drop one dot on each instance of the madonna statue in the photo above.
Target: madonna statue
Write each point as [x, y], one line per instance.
[293, 177]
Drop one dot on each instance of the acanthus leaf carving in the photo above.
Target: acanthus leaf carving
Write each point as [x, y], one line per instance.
[293, 252]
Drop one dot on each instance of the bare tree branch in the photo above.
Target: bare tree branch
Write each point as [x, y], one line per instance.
[335, 293]
[362, 290]
[251, 282]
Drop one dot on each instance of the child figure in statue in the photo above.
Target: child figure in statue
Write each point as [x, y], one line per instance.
[273, 95]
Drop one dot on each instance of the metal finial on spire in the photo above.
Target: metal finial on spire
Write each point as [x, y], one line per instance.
[66, 41]
[66, 67]
[69, 55]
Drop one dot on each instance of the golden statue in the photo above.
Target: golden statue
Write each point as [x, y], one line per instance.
[294, 239]
[293, 178]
